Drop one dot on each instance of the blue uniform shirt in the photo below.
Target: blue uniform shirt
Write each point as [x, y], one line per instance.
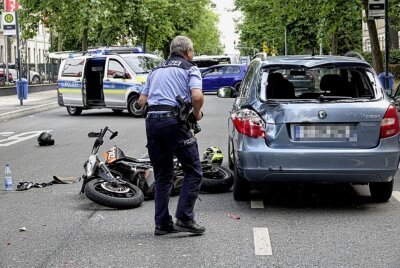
[164, 84]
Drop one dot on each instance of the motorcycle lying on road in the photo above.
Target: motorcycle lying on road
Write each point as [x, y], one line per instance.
[216, 179]
[102, 187]
[138, 172]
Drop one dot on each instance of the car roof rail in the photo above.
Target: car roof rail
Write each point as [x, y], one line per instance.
[354, 54]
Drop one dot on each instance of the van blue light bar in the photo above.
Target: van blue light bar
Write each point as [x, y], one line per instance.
[114, 50]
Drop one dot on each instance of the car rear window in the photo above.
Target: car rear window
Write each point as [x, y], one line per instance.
[304, 83]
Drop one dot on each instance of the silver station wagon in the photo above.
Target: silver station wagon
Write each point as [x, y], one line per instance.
[343, 128]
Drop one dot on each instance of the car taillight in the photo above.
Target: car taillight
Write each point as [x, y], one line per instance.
[390, 123]
[248, 123]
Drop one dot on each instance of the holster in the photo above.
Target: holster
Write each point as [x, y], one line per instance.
[183, 110]
[145, 110]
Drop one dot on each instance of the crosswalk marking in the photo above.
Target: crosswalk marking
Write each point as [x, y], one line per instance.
[396, 194]
[262, 243]
[257, 204]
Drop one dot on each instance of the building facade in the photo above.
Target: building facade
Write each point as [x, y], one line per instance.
[34, 51]
[380, 27]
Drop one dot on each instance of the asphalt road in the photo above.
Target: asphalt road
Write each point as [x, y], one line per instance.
[285, 225]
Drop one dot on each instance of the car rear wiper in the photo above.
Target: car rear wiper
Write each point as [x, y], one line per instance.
[323, 98]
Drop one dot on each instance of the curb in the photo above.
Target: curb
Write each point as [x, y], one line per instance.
[27, 111]
[11, 90]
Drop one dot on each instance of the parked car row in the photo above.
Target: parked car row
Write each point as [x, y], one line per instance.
[34, 77]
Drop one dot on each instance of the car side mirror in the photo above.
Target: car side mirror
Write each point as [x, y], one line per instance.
[227, 92]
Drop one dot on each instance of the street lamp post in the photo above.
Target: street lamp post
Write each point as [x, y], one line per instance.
[285, 41]
[387, 49]
[18, 63]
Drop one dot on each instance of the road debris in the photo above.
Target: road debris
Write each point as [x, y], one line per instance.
[26, 185]
[234, 217]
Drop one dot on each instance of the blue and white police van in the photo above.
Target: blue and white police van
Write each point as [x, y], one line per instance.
[104, 78]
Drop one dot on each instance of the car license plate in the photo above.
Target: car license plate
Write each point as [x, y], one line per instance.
[325, 132]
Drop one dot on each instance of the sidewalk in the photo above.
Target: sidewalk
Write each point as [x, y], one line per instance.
[10, 106]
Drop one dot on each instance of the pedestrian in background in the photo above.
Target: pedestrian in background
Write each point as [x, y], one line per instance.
[167, 136]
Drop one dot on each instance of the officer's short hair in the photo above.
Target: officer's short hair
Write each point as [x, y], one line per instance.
[180, 45]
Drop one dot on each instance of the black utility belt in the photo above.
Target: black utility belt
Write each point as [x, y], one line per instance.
[161, 115]
[162, 108]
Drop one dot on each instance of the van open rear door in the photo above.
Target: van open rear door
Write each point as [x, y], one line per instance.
[70, 84]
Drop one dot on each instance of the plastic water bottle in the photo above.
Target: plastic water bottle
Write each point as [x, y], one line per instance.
[8, 181]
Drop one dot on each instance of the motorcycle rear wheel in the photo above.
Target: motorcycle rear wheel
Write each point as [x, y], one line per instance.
[103, 193]
[216, 179]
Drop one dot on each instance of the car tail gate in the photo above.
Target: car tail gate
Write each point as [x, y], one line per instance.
[336, 125]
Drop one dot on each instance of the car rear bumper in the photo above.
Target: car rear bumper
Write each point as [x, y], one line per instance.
[261, 163]
[336, 176]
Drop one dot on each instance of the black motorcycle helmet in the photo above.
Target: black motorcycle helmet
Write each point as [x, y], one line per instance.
[45, 139]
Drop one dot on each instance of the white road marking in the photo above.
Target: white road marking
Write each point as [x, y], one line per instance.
[100, 216]
[257, 204]
[262, 243]
[20, 137]
[5, 134]
[396, 194]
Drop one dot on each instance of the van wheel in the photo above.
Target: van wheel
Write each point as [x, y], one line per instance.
[134, 107]
[74, 110]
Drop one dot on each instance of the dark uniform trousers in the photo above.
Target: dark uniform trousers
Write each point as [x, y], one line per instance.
[166, 138]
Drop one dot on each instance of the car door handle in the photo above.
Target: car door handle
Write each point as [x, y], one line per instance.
[107, 80]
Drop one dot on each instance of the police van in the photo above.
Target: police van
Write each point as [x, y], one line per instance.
[104, 78]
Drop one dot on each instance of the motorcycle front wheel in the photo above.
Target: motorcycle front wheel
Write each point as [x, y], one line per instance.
[123, 196]
[216, 179]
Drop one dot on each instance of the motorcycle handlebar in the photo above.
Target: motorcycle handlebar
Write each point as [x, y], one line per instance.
[100, 135]
[115, 134]
[104, 132]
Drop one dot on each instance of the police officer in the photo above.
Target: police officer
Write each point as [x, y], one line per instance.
[167, 136]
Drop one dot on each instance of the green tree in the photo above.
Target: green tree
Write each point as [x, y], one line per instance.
[307, 23]
[150, 23]
[205, 34]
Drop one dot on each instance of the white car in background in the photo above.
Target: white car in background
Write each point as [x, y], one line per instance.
[34, 77]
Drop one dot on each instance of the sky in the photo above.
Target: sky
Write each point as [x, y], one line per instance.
[227, 25]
